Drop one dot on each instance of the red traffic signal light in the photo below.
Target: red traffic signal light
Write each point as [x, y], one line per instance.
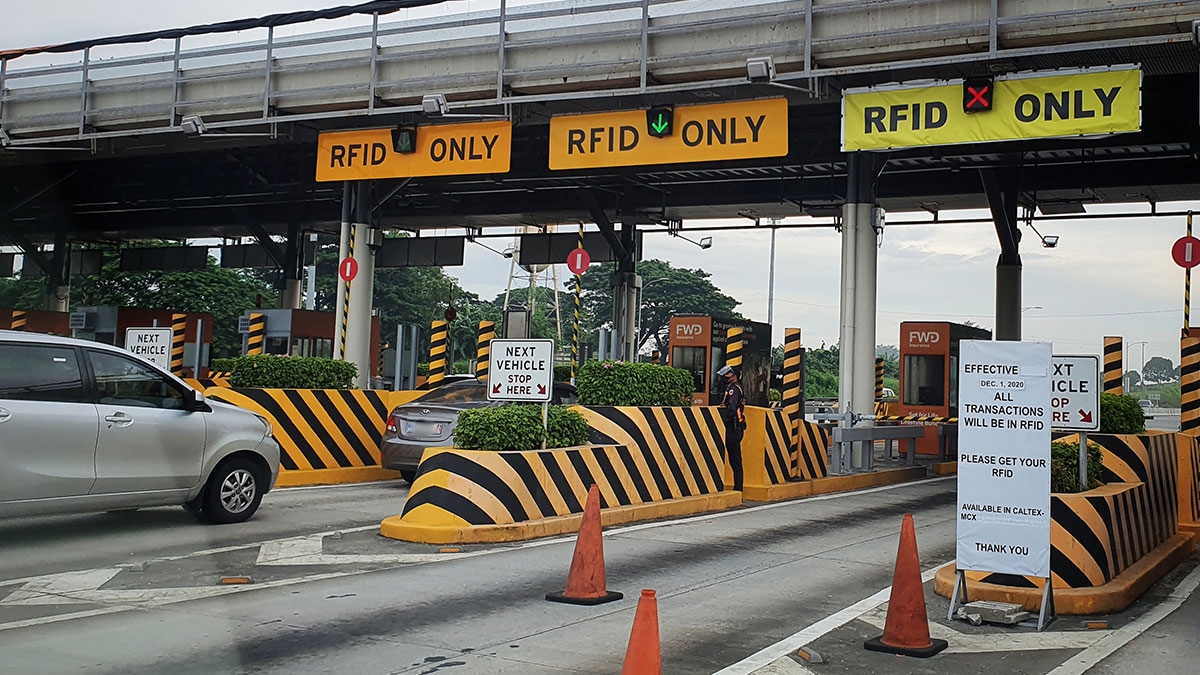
[977, 94]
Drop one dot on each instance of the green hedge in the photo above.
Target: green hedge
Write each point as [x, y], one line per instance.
[562, 372]
[291, 372]
[519, 427]
[1121, 415]
[1064, 466]
[621, 383]
[222, 365]
[775, 395]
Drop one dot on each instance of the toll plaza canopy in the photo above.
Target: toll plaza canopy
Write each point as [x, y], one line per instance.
[757, 105]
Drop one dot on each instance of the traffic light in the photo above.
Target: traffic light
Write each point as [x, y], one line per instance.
[977, 94]
[660, 121]
[404, 139]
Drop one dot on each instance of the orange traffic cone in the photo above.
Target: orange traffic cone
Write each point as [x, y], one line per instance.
[585, 581]
[907, 628]
[643, 656]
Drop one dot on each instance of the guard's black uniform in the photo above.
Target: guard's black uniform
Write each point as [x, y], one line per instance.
[733, 412]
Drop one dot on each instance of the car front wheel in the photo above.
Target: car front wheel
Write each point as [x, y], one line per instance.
[233, 493]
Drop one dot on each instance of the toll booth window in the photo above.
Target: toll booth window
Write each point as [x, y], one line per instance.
[715, 364]
[690, 359]
[924, 380]
[953, 383]
[324, 348]
[277, 345]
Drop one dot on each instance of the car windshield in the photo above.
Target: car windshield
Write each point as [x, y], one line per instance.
[470, 391]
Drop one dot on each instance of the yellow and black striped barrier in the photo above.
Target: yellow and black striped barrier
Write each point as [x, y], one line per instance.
[878, 378]
[1113, 367]
[178, 331]
[327, 435]
[1189, 385]
[733, 348]
[483, 349]
[1188, 455]
[257, 335]
[792, 396]
[19, 320]
[439, 338]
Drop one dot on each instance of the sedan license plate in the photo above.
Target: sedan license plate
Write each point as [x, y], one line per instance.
[423, 429]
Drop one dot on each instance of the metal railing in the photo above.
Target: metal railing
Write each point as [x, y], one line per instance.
[636, 29]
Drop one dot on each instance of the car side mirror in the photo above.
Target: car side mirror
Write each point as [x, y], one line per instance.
[196, 401]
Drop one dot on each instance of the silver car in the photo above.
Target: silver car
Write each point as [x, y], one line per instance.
[430, 420]
[89, 427]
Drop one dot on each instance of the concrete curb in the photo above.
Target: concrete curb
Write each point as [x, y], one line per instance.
[355, 474]
[395, 528]
[1113, 596]
[820, 486]
[944, 468]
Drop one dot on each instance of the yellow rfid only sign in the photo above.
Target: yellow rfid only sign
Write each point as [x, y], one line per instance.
[1079, 103]
[440, 150]
[697, 133]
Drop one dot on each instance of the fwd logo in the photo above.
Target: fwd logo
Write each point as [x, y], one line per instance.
[688, 329]
[922, 336]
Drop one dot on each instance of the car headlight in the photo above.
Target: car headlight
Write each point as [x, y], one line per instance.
[267, 430]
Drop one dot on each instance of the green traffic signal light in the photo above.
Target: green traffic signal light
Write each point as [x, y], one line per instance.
[660, 121]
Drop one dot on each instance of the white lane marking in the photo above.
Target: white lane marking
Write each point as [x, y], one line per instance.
[58, 588]
[309, 550]
[1083, 661]
[764, 657]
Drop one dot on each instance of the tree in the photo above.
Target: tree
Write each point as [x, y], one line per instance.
[1132, 379]
[891, 360]
[675, 291]
[821, 373]
[1158, 369]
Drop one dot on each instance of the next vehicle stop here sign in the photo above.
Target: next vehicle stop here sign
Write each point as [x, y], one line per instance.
[521, 370]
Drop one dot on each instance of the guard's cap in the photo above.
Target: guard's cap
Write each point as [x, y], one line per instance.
[725, 370]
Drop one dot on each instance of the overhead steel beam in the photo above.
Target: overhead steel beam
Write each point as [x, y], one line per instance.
[606, 226]
[264, 239]
[1001, 187]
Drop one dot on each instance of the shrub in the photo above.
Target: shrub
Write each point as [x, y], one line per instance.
[519, 427]
[422, 369]
[222, 365]
[562, 372]
[1121, 415]
[291, 372]
[775, 395]
[462, 368]
[635, 384]
[1064, 466]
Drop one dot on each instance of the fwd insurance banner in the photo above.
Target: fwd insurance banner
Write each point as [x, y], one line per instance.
[1004, 457]
[1046, 104]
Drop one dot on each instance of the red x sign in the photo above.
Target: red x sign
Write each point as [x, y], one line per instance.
[977, 97]
[977, 94]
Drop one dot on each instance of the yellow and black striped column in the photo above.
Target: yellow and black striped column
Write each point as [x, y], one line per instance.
[1114, 373]
[1187, 288]
[483, 348]
[1189, 385]
[178, 330]
[258, 333]
[575, 333]
[733, 348]
[878, 378]
[793, 382]
[346, 294]
[19, 319]
[439, 338]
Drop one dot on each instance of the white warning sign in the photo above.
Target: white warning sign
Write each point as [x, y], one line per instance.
[1004, 457]
[521, 370]
[1075, 393]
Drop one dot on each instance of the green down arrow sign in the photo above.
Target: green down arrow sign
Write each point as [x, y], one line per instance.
[661, 120]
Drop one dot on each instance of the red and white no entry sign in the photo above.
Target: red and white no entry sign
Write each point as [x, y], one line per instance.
[578, 261]
[348, 269]
[1186, 252]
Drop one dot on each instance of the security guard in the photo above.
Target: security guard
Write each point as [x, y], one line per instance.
[733, 412]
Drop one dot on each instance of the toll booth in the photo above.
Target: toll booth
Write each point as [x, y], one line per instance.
[108, 324]
[697, 345]
[37, 321]
[929, 372]
[302, 332]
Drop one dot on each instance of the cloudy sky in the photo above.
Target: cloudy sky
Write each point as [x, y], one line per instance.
[1107, 277]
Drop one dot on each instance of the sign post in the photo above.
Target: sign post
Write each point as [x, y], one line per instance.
[1004, 463]
[523, 371]
[1075, 401]
[152, 344]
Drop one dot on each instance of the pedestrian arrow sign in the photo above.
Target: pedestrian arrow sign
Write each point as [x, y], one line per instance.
[521, 370]
[1075, 393]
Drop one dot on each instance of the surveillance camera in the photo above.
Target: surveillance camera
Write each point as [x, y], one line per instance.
[1050, 240]
[760, 69]
[192, 125]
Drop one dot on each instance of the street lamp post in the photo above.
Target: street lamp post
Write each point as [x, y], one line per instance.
[1142, 367]
[646, 285]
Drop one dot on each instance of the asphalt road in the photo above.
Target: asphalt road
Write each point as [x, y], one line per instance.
[143, 592]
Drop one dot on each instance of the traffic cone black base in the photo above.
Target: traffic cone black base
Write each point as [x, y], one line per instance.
[610, 596]
[877, 645]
